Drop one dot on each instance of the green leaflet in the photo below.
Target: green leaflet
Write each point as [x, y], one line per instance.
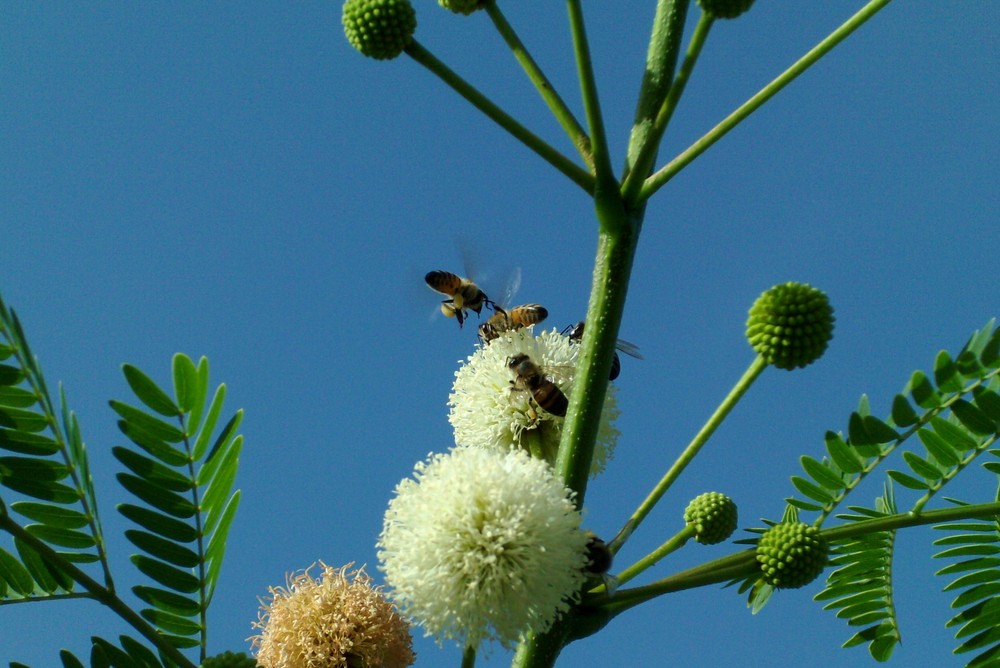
[167, 601]
[15, 575]
[166, 526]
[55, 516]
[149, 424]
[161, 499]
[166, 550]
[68, 660]
[152, 471]
[149, 392]
[166, 575]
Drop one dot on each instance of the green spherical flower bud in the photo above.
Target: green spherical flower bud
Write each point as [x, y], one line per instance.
[713, 516]
[725, 9]
[379, 29]
[790, 325]
[461, 6]
[791, 555]
[230, 660]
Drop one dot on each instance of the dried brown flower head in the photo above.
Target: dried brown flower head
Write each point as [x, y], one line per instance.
[337, 620]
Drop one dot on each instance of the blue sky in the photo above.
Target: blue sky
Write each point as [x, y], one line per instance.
[232, 180]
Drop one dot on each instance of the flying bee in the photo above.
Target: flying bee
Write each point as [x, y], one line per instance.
[575, 334]
[504, 320]
[529, 377]
[464, 295]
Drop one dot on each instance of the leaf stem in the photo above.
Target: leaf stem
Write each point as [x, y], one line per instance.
[664, 174]
[575, 173]
[744, 563]
[100, 593]
[588, 91]
[555, 103]
[672, 544]
[689, 453]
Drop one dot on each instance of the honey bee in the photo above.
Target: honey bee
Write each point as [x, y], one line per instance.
[504, 320]
[599, 555]
[528, 377]
[464, 295]
[575, 334]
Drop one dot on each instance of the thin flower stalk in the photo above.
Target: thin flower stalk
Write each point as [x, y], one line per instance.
[560, 111]
[667, 172]
[575, 173]
[687, 456]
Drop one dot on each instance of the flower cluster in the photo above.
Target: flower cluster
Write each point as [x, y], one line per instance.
[483, 545]
[489, 411]
[335, 621]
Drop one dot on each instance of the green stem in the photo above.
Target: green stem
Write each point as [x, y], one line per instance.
[469, 657]
[647, 152]
[97, 591]
[555, 103]
[615, 252]
[542, 649]
[744, 563]
[953, 473]
[576, 174]
[689, 453]
[661, 60]
[588, 91]
[657, 180]
[673, 544]
[533, 440]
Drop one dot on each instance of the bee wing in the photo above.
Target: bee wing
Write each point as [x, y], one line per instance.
[629, 349]
[510, 288]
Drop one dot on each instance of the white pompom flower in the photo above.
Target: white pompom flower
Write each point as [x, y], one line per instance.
[481, 545]
[487, 411]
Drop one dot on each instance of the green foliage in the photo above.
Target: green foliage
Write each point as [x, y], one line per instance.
[954, 412]
[955, 417]
[186, 489]
[180, 466]
[860, 587]
[974, 547]
[47, 469]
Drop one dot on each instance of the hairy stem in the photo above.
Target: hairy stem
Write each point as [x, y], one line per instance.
[644, 161]
[661, 60]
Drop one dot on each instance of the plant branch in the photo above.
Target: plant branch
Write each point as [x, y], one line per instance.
[588, 91]
[647, 152]
[672, 544]
[685, 458]
[97, 591]
[555, 103]
[661, 60]
[575, 173]
[657, 180]
[744, 563]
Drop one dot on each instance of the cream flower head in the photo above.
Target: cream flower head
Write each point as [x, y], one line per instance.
[336, 621]
[482, 545]
[488, 411]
